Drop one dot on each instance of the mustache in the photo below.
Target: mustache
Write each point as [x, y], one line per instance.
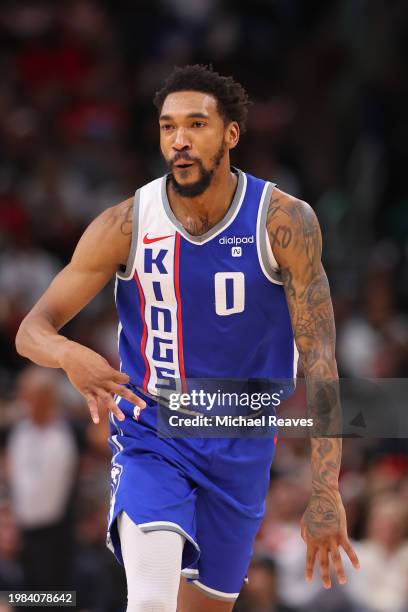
[182, 155]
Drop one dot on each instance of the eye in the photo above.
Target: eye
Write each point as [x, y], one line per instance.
[166, 127]
[198, 124]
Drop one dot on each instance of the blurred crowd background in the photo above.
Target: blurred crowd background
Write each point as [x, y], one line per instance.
[78, 133]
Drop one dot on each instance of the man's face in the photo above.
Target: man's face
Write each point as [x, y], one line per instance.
[194, 140]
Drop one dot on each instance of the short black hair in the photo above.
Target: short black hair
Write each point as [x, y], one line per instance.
[232, 99]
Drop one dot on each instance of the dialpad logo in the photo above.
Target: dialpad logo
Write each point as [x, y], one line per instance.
[237, 240]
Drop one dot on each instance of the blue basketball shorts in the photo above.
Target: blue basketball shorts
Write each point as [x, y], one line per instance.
[210, 490]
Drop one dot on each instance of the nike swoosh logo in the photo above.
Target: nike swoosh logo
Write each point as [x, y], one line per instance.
[147, 240]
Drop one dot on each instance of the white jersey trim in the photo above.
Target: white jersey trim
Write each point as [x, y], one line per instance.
[221, 226]
[189, 573]
[214, 593]
[169, 526]
[129, 271]
[267, 261]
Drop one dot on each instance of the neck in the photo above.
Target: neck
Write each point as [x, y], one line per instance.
[202, 212]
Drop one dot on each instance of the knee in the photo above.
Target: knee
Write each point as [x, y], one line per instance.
[150, 602]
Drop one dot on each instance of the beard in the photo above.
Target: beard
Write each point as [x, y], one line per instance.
[206, 176]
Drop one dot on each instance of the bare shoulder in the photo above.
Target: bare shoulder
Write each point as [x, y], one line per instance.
[118, 218]
[112, 229]
[293, 228]
[284, 207]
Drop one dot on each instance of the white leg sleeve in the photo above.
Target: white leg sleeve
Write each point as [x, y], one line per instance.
[152, 564]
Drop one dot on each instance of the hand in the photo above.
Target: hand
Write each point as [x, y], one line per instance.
[96, 380]
[324, 529]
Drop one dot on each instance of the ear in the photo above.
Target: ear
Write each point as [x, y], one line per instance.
[232, 135]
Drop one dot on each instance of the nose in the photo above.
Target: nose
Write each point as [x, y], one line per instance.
[181, 142]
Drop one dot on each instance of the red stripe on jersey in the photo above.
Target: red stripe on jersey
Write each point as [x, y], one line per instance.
[144, 335]
[179, 312]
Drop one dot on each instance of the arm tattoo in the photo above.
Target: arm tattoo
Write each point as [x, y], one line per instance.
[127, 218]
[274, 209]
[123, 216]
[296, 242]
[281, 236]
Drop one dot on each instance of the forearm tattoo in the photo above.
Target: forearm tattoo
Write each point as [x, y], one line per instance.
[295, 238]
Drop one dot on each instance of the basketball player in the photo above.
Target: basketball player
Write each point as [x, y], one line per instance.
[189, 307]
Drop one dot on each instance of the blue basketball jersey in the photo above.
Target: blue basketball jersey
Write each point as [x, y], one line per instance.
[194, 308]
[209, 306]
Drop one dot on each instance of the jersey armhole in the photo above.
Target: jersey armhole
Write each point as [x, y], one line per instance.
[127, 273]
[267, 261]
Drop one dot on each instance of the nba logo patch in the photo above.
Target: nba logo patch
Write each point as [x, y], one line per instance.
[236, 251]
[116, 472]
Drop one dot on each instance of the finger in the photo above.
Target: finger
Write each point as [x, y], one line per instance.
[310, 561]
[303, 532]
[350, 552]
[93, 407]
[324, 567]
[120, 377]
[117, 411]
[338, 563]
[111, 404]
[128, 395]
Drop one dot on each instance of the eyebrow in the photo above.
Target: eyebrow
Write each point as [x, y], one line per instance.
[189, 116]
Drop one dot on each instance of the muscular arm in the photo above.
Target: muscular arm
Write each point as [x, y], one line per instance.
[295, 239]
[92, 266]
[103, 247]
